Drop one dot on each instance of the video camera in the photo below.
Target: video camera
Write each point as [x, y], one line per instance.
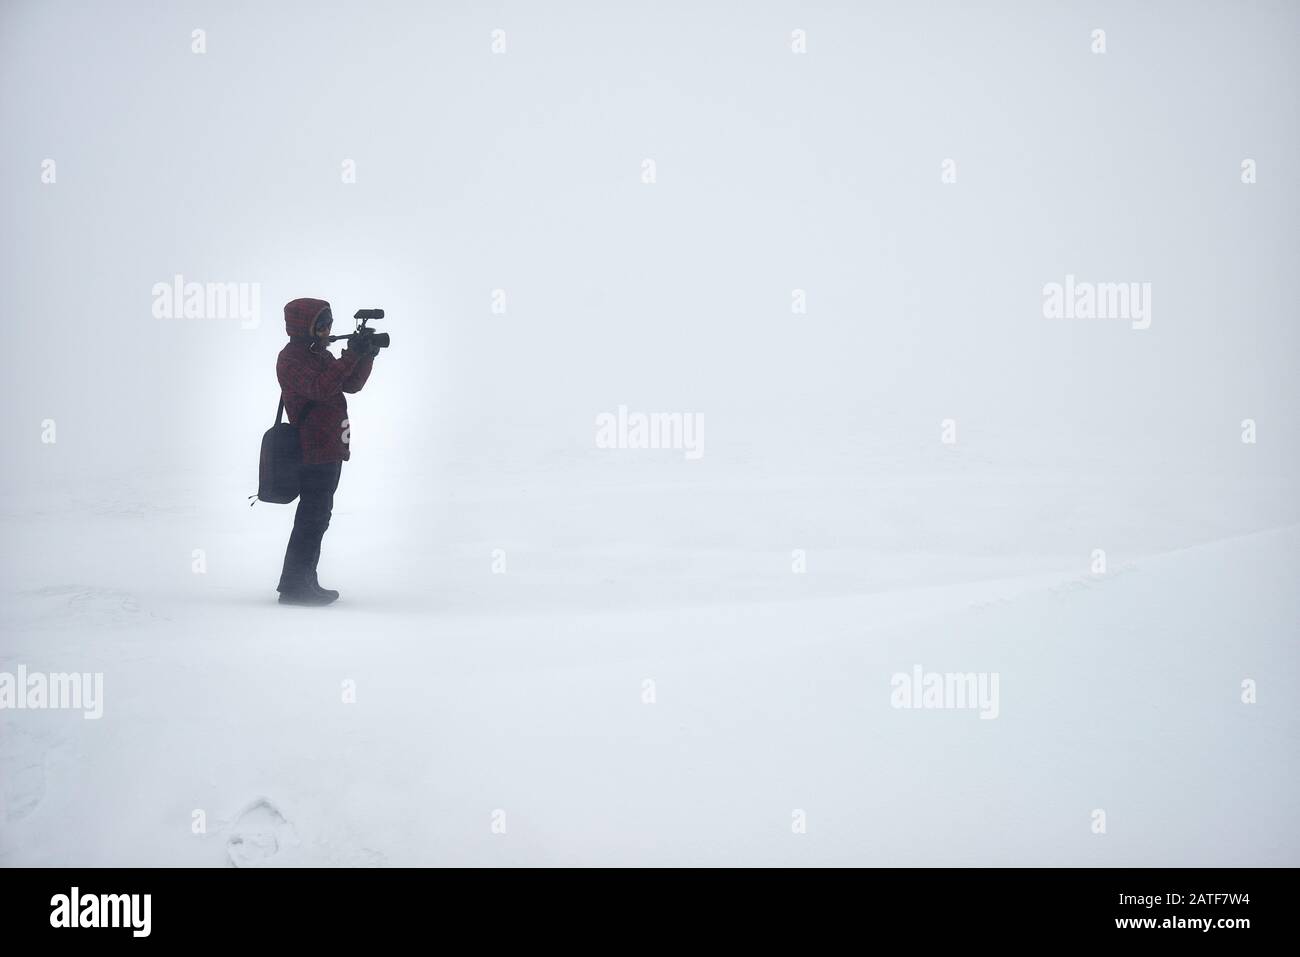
[365, 338]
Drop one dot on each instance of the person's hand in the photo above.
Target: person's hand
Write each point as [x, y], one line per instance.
[362, 346]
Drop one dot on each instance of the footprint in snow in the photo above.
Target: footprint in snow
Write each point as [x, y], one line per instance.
[108, 606]
[22, 774]
[259, 833]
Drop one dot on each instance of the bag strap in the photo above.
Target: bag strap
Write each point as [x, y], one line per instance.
[302, 416]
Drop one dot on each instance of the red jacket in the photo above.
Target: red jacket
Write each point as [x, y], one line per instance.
[310, 373]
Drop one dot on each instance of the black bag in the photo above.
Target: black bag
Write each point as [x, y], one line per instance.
[279, 469]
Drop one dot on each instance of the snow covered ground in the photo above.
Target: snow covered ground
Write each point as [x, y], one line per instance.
[522, 692]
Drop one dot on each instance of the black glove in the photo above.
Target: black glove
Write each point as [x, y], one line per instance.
[363, 344]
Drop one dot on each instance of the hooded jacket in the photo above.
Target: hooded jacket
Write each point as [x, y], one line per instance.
[308, 372]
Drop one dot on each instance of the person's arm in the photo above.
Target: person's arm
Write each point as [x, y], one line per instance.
[360, 373]
[299, 378]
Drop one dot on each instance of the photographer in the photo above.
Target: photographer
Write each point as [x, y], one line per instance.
[312, 382]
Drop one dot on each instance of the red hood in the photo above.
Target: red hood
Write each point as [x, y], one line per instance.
[300, 314]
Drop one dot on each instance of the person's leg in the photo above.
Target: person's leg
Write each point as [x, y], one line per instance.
[315, 558]
[315, 503]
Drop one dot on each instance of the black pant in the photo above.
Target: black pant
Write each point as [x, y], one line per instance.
[315, 504]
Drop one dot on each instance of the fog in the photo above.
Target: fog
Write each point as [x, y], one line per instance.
[836, 257]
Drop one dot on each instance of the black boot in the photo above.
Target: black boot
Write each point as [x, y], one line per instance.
[307, 595]
[328, 593]
[305, 590]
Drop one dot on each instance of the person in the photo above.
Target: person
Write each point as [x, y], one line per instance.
[312, 383]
